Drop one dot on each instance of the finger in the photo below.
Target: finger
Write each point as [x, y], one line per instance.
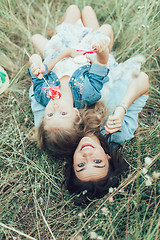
[40, 76]
[111, 130]
[37, 71]
[101, 45]
[113, 122]
[112, 126]
[34, 65]
[96, 46]
[42, 70]
[89, 59]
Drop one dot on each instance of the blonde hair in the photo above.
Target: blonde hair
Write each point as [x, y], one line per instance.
[93, 118]
[61, 141]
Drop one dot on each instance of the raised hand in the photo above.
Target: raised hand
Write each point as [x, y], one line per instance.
[114, 122]
[103, 52]
[38, 70]
[101, 45]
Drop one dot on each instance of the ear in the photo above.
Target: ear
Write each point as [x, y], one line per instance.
[109, 157]
[77, 112]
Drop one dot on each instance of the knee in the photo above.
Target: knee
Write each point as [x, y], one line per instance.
[87, 9]
[35, 37]
[107, 27]
[145, 78]
[73, 8]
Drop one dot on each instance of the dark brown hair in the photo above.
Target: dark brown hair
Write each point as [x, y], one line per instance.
[96, 189]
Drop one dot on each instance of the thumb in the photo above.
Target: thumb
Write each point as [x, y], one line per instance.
[89, 58]
[111, 117]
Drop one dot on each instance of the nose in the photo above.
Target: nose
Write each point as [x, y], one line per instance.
[55, 106]
[87, 153]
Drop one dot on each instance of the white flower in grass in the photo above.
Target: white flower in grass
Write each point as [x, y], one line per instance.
[144, 171]
[93, 235]
[129, 175]
[99, 238]
[84, 192]
[111, 190]
[140, 58]
[156, 175]
[140, 7]
[81, 214]
[111, 199]
[121, 190]
[105, 211]
[41, 201]
[148, 181]
[79, 237]
[148, 160]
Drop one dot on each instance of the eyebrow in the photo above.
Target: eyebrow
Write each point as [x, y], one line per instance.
[93, 166]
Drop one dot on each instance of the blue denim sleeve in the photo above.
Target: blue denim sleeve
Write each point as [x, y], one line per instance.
[37, 109]
[100, 70]
[38, 85]
[93, 83]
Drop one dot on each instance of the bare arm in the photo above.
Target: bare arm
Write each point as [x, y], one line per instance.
[137, 87]
[38, 68]
[103, 51]
[63, 54]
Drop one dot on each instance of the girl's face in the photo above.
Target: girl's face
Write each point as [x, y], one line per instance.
[90, 161]
[59, 114]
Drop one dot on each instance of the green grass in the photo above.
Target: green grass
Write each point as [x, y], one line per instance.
[33, 203]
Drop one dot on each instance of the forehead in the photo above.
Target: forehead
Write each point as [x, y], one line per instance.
[59, 122]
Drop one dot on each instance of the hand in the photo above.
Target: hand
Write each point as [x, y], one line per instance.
[38, 70]
[114, 122]
[74, 53]
[101, 45]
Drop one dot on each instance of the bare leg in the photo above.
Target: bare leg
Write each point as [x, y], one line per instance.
[39, 42]
[71, 15]
[89, 18]
[107, 30]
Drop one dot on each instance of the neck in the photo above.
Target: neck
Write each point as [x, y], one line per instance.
[66, 90]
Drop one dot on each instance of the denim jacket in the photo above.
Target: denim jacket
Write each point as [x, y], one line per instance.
[86, 83]
[38, 85]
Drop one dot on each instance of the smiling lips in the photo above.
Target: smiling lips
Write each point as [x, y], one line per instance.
[85, 146]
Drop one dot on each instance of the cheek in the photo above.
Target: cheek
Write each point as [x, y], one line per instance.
[102, 153]
[75, 158]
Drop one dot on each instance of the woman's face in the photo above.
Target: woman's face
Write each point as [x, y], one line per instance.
[90, 162]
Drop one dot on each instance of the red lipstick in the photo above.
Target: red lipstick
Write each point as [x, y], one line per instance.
[86, 145]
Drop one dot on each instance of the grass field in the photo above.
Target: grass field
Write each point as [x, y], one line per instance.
[33, 203]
